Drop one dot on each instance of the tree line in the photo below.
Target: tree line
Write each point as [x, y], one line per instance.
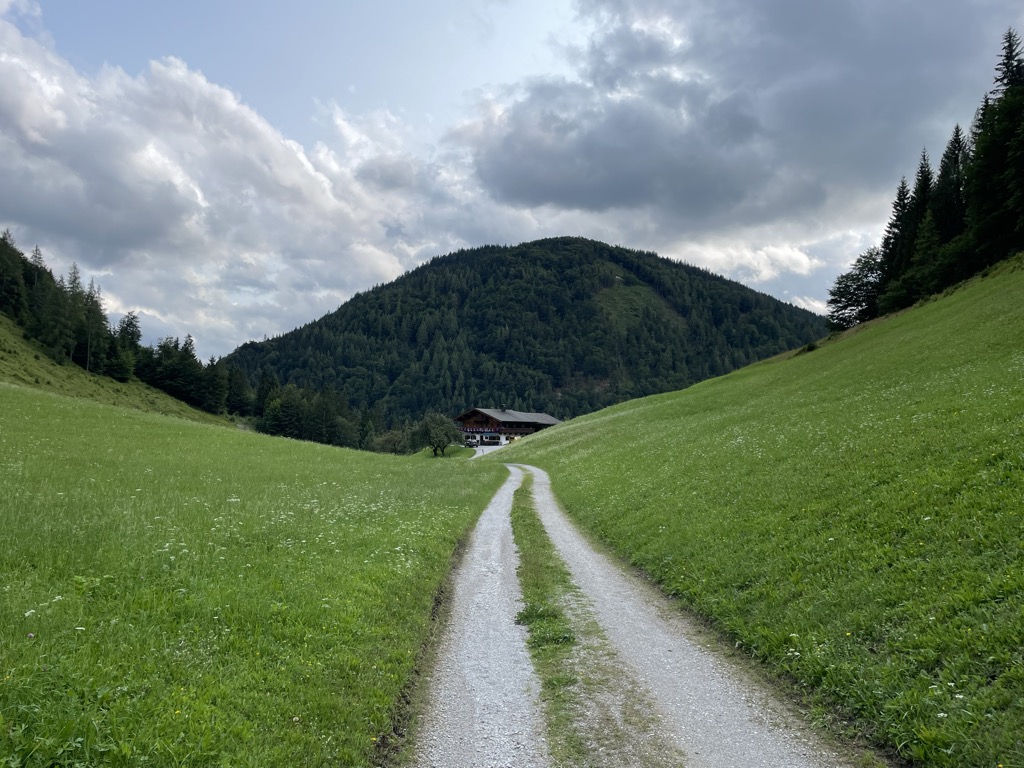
[952, 224]
[67, 320]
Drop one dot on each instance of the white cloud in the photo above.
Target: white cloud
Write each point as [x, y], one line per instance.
[812, 303]
[749, 263]
[192, 206]
[19, 7]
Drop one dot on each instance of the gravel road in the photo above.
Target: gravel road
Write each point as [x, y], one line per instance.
[716, 716]
[483, 708]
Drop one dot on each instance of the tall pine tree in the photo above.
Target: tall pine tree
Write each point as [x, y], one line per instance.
[949, 199]
[893, 240]
[995, 183]
[900, 289]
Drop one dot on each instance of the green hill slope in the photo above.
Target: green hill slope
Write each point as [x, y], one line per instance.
[22, 364]
[853, 516]
[174, 593]
[564, 325]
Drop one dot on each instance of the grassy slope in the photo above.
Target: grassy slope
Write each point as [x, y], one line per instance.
[853, 516]
[21, 363]
[177, 593]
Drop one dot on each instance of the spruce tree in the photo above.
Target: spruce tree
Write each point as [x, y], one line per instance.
[240, 396]
[949, 199]
[926, 270]
[1010, 69]
[95, 330]
[995, 183]
[895, 234]
[899, 290]
[13, 293]
[266, 390]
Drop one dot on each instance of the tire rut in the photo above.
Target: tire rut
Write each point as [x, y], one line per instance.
[483, 708]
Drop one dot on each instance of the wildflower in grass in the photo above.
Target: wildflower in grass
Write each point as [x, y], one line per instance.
[29, 612]
[31, 635]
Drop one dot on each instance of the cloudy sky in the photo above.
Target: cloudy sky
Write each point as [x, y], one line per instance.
[234, 169]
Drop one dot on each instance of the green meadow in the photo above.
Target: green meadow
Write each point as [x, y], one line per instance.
[852, 515]
[173, 593]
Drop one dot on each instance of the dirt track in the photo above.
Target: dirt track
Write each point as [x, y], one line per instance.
[483, 708]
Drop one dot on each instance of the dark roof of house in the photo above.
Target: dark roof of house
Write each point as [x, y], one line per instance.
[500, 414]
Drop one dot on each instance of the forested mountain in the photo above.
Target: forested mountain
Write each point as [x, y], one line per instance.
[563, 325]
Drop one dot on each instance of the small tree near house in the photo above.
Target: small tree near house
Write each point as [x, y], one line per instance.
[438, 432]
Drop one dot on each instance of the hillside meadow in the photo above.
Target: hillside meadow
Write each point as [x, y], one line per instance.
[173, 593]
[27, 365]
[852, 515]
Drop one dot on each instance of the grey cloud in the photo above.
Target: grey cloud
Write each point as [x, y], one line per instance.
[390, 172]
[738, 111]
[566, 146]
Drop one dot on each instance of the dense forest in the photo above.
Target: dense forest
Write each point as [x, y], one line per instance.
[953, 224]
[564, 325]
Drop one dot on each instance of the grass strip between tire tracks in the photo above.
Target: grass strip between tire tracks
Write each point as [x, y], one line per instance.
[545, 584]
[596, 714]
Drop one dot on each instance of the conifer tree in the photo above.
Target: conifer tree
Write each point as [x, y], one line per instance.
[895, 235]
[36, 259]
[266, 389]
[54, 326]
[94, 331]
[13, 293]
[949, 199]
[214, 386]
[240, 396]
[1010, 69]
[899, 290]
[129, 332]
[925, 274]
[995, 182]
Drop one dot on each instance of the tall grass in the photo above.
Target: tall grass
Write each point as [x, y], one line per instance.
[853, 516]
[179, 594]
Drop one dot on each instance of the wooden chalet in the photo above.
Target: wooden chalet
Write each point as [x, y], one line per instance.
[498, 425]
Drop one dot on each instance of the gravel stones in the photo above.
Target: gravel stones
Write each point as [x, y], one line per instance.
[483, 706]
